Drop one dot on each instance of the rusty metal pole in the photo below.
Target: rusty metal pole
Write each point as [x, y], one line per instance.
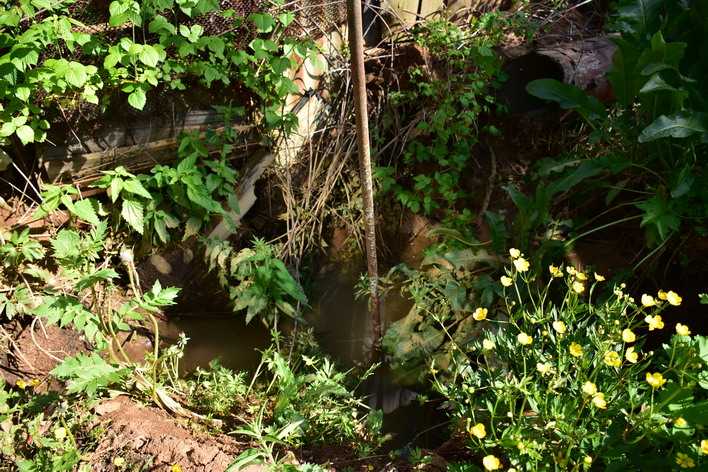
[356, 50]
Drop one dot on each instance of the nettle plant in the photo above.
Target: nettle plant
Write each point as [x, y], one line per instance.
[51, 60]
[428, 178]
[560, 379]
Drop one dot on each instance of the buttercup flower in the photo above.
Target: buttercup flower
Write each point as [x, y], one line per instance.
[490, 462]
[21, 384]
[656, 380]
[514, 253]
[662, 295]
[598, 400]
[704, 447]
[480, 314]
[631, 355]
[487, 345]
[682, 330]
[559, 326]
[673, 298]
[119, 462]
[599, 278]
[628, 335]
[612, 359]
[478, 431]
[524, 339]
[555, 271]
[571, 270]
[655, 322]
[589, 388]
[648, 300]
[587, 460]
[581, 276]
[176, 468]
[578, 287]
[575, 349]
[685, 461]
[506, 281]
[544, 368]
[680, 422]
[521, 264]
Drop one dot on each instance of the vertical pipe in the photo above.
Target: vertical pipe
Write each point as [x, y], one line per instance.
[356, 48]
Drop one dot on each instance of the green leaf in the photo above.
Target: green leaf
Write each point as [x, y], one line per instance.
[135, 187]
[132, 213]
[76, 74]
[679, 125]
[88, 373]
[137, 99]
[569, 97]
[659, 215]
[25, 133]
[264, 22]
[98, 276]
[149, 56]
[86, 210]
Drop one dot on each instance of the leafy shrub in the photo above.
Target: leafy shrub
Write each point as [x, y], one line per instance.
[216, 390]
[257, 281]
[561, 378]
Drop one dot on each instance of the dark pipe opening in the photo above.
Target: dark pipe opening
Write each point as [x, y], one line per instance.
[520, 72]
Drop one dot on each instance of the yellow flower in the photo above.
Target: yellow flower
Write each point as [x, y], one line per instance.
[478, 431]
[506, 281]
[571, 270]
[684, 461]
[176, 468]
[680, 422]
[628, 335]
[521, 264]
[524, 339]
[682, 330]
[576, 350]
[119, 462]
[578, 287]
[480, 314]
[631, 356]
[598, 400]
[662, 295]
[655, 322]
[515, 253]
[599, 278]
[60, 433]
[656, 380]
[487, 345]
[648, 300]
[673, 298]
[559, 326]
[21, 384]
[589, 388]
[581, 276]
[612, 359]
[587, 460]
[555, 271]
[544, 368]
[704, 447]
[490, 462]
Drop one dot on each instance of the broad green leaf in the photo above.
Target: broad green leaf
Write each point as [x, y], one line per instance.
[76, 74]
[568, 97]
[135, 187]
[132, 213]
[137, 98]
[680, 125]
[25, 133]
[264, 22]
[85, 210]
[149, 56]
